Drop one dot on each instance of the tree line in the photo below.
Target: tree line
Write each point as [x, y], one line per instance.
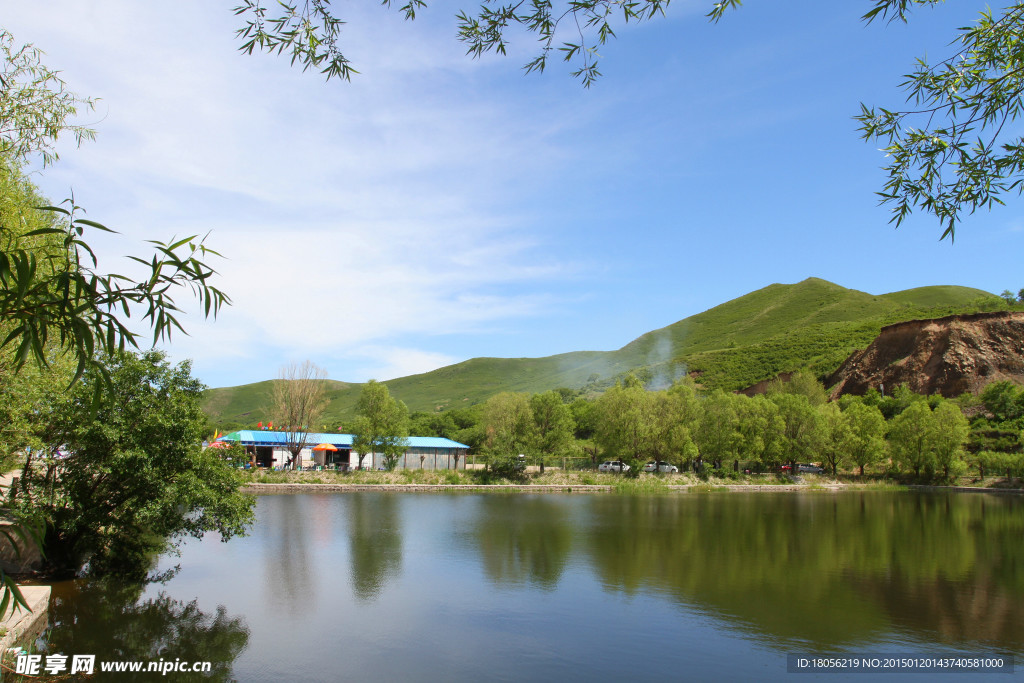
[929, 437]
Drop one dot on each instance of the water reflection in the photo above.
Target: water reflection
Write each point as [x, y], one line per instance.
[534, 587]
[375, 542]
[828, 570]
[975, 609]
[522, 539]
[287, 570]
[110, 621]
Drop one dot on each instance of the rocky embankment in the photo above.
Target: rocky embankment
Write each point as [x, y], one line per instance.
[948, 356]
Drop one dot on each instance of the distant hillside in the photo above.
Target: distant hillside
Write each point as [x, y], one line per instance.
[779, 328]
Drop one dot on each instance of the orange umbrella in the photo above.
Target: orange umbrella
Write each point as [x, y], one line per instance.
[325, 447]
[219, 444]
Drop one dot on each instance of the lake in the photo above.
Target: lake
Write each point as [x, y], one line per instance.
[566, 587]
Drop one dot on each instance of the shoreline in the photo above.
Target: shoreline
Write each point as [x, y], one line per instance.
[307, 487]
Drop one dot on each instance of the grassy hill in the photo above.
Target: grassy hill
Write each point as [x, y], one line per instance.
[779, 328]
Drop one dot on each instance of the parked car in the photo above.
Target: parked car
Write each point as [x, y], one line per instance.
[662, 466]
[809, 469]
[613, 466]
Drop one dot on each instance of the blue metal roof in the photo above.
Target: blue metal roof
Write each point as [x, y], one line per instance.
[266, 438]
[433, 442]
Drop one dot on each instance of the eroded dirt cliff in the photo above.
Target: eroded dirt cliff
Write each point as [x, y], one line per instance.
[948, 356]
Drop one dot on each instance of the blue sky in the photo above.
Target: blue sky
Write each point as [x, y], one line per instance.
[440, 208]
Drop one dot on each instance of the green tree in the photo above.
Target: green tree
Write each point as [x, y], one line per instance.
[583, 417]
[801, 427]
[131, 479]
[508, 428]
[951, 432]
[837, 436]
[23, 402]
[381, 425]
[985, 461]
[997, 462]
[676, 414]
[718, 433]
[867, 443]
[911, 437]
[624, 425]
[1004, 400]
[586, 418]
[553, 424]
[802, 383]
[898, 400]
[468, 429]
[761, 429]
[422, 423]
[673, 437]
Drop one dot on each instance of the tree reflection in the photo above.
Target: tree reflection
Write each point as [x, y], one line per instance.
[288, 571]
[823, 568]
[375, 540]
[523, 539]
[955, 611]
[110, 621]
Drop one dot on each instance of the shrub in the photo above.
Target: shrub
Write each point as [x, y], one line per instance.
[510, 467]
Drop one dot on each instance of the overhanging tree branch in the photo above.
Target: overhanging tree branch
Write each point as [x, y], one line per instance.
[61, 298]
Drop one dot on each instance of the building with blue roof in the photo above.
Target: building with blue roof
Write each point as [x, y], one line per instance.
[270, 449]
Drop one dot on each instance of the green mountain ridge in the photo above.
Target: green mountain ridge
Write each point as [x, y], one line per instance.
[778, 328]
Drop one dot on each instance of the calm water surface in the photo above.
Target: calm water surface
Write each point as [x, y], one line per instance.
[469, 587]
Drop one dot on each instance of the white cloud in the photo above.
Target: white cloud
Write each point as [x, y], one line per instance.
[348, 285]
[354, 216]
[389, 362]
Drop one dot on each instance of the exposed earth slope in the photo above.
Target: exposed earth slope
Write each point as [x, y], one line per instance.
[948, 356]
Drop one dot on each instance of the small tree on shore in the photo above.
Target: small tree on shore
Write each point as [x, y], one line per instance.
[299, 398]
[381, 426]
